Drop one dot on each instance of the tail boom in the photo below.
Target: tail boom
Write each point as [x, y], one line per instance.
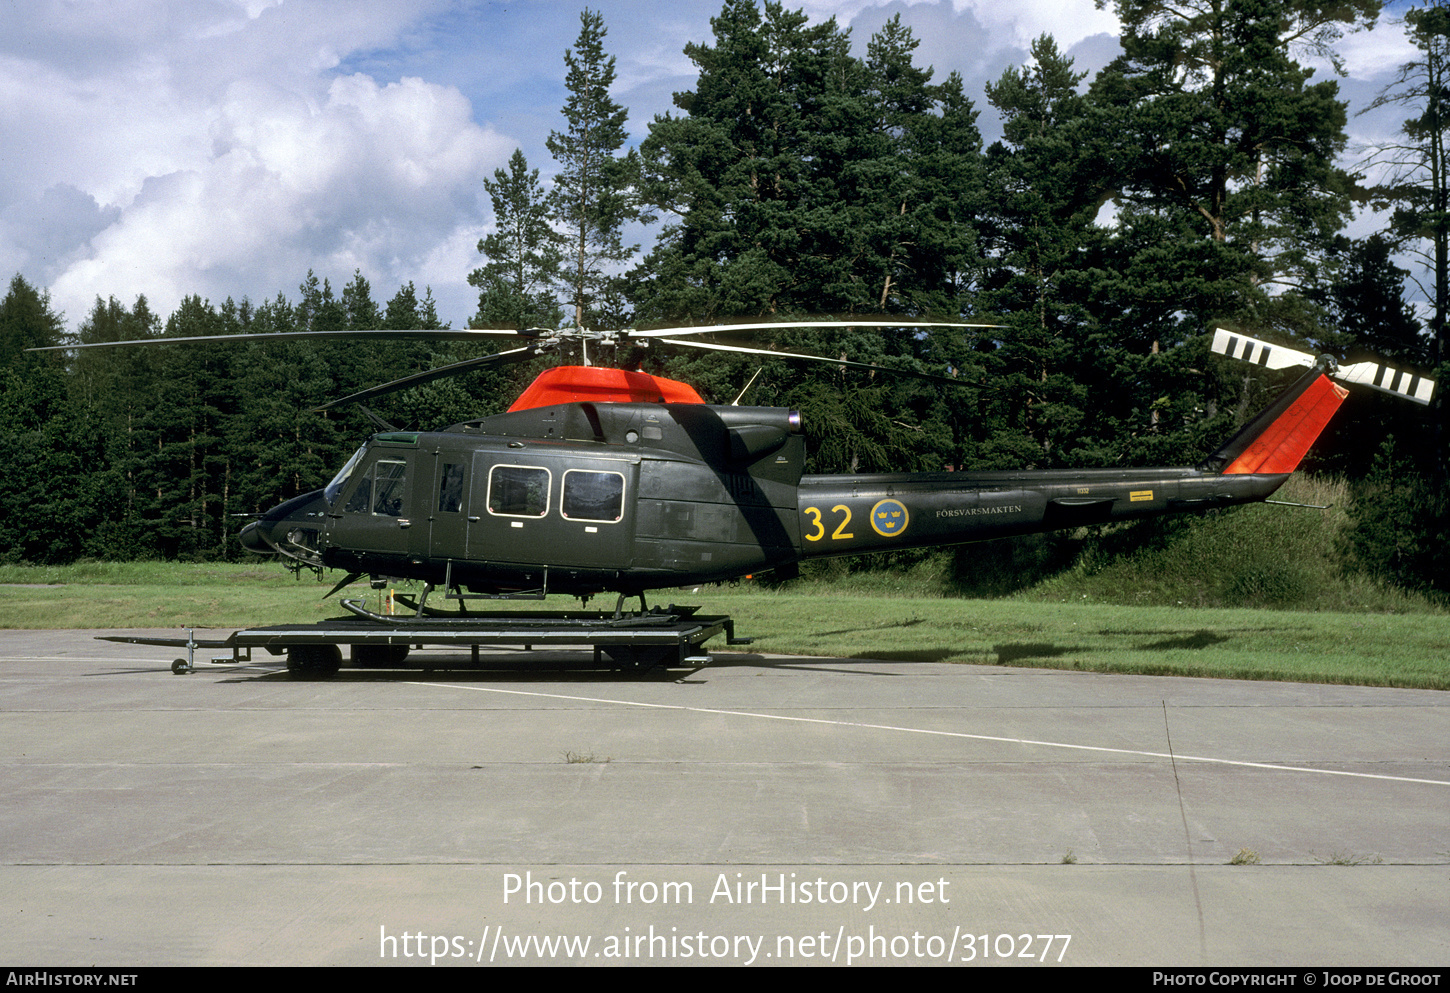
[847, 514]
[842, 515]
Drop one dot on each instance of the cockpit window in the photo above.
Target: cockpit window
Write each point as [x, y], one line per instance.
[390, 479]
[381, 490]
[362, 497]
[334, 488]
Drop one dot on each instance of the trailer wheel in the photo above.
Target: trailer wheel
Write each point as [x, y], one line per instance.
[313, 661]
[179, 667]
[379, 656]
[641, 657]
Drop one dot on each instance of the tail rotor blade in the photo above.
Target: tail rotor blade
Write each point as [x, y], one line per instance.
[1260, 353]
[1377, 376]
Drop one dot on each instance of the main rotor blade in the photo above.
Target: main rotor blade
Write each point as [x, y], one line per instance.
[797, 325]
[417, 379]
[474, 334]
[393, 334]
[869, 367]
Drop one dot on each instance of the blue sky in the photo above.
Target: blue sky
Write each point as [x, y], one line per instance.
[225, 147]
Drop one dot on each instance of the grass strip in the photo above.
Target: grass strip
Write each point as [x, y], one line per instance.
[1361, 648]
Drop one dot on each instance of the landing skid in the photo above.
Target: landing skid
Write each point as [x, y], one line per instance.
[452, 592]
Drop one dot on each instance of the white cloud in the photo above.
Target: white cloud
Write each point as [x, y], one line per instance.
[1376, 55]
[1015, 24]
[50, 231]
[372, 179]
[178, 148]
[1025, 20]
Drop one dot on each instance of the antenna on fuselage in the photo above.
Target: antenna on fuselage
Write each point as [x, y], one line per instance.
[746, 388]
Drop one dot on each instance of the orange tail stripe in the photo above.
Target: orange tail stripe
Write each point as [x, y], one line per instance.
[1283, 444]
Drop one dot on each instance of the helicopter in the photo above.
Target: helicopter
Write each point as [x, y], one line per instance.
[603, 480]
[606, 480]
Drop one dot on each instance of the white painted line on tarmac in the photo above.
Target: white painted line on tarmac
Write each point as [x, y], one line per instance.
[943, 734]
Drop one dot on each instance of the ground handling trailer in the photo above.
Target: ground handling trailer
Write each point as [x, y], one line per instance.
[671, 636]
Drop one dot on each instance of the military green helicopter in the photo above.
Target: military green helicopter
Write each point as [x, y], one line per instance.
[601, 480]
[604, 480]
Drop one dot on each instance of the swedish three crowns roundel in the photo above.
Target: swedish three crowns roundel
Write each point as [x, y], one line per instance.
[889, 518]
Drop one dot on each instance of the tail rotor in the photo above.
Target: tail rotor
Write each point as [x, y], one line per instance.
[1375, 375]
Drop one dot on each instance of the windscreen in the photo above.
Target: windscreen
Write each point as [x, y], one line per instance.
[332, 489]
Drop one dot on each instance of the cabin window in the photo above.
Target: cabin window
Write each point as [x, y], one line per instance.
[450, 488]
[518, 491]
[593, 496]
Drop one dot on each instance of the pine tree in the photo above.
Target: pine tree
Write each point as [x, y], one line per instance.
[801, 181]
[117, 392]
[434, 406]
[1228, 198]
[192, 466]
[591, 198]
[42, 441]
[922, 180]
[1367, 304]
[524, 253]
[27, 321]
[284, 448]
[1371, 319]
[357, 301]
[1418, 187]
[1227, 156]
[1047, 181]
[748, 176]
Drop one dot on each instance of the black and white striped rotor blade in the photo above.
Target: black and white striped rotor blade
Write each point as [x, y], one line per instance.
[1375, 375]
[1378, 376]
[1260, 353]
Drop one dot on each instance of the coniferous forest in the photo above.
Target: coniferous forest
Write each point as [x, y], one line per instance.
[1197, 181]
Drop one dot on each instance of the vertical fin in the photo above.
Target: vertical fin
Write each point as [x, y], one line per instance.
[1278, 445]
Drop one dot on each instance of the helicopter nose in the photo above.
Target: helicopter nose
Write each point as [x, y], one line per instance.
[255, 541]
[291, 529]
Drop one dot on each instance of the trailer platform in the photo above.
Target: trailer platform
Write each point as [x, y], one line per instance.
[669, 636]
